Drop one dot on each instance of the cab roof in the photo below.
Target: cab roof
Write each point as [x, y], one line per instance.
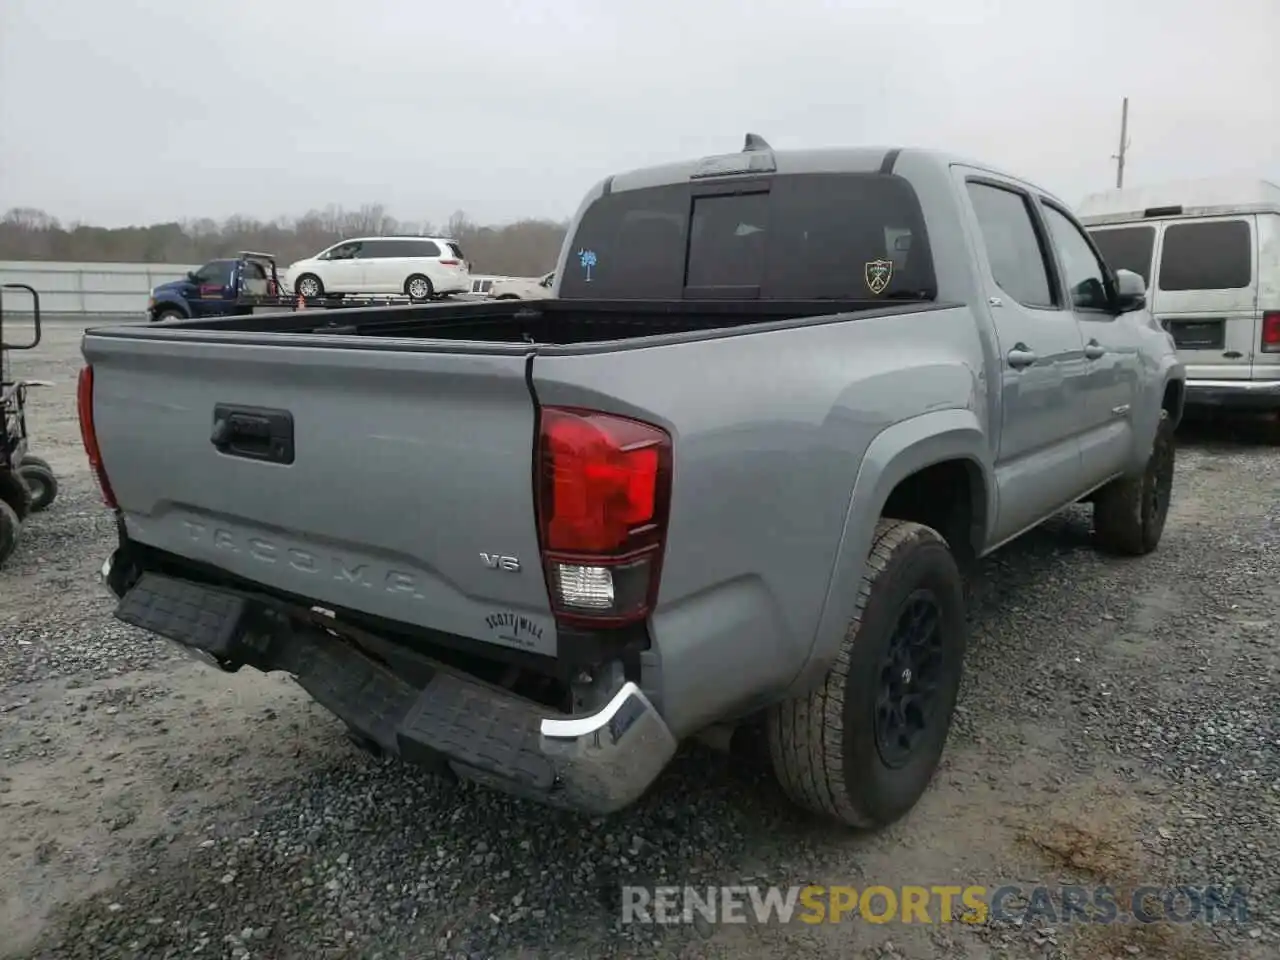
[758, 157]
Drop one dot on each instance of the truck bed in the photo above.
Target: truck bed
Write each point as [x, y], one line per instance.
[547, 322]
[382, 462]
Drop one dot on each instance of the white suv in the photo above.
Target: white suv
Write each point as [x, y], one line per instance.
[420, 267]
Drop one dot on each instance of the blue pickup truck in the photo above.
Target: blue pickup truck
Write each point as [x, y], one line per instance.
[221, 288]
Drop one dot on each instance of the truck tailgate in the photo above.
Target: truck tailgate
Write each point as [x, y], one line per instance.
[410, 491]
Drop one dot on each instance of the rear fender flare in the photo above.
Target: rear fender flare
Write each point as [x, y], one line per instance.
[895, 454]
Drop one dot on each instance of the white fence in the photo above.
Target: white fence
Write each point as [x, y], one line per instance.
[86, 288]
[114, 289]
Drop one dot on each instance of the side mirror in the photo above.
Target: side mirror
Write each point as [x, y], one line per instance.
[191, 277]
[1131, 291]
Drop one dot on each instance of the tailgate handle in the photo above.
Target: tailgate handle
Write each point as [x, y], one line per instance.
[254, 433]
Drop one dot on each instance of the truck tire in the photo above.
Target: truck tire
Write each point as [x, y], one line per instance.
[32, 458]
[168, 314]
[308, 286]
[41, 482]
[418, 288]
[10, 530]
[1129, 513]
[862, 747]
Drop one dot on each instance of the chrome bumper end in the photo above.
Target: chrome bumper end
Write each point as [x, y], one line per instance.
[606, 760]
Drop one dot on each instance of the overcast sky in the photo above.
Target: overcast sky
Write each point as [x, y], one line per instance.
[129, 111]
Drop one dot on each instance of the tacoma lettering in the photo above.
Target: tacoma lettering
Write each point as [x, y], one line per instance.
[304, 561]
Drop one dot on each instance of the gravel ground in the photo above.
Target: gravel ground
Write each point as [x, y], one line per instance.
[1119, 724]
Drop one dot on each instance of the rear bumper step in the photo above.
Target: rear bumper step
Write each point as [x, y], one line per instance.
[595, 763]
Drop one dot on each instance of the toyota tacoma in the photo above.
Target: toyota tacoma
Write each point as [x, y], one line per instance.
[732, 475]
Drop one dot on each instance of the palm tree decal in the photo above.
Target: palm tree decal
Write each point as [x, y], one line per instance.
[588, 260]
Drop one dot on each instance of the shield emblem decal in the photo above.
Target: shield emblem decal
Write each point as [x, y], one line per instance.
[878, 273]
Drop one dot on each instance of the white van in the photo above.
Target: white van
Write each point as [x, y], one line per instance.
[421, 268]
[1209, 251]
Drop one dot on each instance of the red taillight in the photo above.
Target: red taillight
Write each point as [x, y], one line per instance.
[89, 436]
[1271, 331]
[450, 263]
[604, 488]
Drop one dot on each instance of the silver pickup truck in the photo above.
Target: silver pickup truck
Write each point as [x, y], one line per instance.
[730, 476]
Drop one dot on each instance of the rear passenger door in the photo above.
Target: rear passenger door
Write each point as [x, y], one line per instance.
[380, 265]
[1043, 374]
[1206, 294]
[1110, 349]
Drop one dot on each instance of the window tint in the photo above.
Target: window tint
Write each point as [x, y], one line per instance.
[813, 236]
[382, 249]
[215, 273]
[1127, 248]
[344, 251]
[1216, 255]
[726, 241]
[1013, 247]
[1086, 279]
[859, 237]
[414, 248]
[457, 251]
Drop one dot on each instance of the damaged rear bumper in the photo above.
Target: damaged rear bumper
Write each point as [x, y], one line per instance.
[596, 763]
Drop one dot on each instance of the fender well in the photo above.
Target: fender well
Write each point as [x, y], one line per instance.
[934, 469]
[173, 303]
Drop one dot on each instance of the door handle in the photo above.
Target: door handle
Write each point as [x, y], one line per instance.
[254, 433]
[1093, 350]
[1020, 356]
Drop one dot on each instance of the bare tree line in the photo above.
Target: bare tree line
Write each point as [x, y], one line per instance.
[523, 248]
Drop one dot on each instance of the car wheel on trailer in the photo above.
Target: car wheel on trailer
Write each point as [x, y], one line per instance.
[1129, 513]
[308, 286]
[418, 288]
[862, 747]
[40, 481]
[168, 315]
[10, 530]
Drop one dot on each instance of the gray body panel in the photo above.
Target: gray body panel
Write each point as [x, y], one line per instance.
[787, 444]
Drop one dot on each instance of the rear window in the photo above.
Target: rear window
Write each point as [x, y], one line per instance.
[1127, 248]
[801, 237]
[1206, 256]
[457, 251]
[412, 248]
